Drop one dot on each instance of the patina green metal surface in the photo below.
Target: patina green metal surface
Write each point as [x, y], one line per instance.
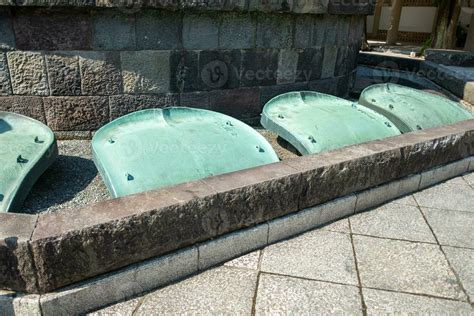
[314, 122]
[27, 149]
[410, 109]
[154, 148]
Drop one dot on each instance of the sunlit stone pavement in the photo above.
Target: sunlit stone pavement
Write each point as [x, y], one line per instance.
[414, 255]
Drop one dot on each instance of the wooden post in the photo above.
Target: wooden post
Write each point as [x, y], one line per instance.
[392, 34]
[377, 14]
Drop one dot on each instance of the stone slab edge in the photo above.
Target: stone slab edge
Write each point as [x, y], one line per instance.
[157, 272]
[59, 249]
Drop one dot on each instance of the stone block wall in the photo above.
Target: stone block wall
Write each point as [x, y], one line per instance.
[77, 65]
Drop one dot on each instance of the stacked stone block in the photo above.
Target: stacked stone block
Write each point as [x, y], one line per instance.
[78, 66]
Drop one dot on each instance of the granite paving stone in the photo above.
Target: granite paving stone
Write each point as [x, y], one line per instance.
[391, 303]
[341, 226]
[320, 255]
[461, 197]
[452, 228]
[281, 295]
[407, 200]
[417, 268]
[393, 221]
[469, 178]
[125, 308]
[219, 291]
[462, 261]
[248, 261]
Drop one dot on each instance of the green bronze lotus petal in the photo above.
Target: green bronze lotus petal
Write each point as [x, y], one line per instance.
[27, 149]
[154, 148]
[315, 122]
[410, 109]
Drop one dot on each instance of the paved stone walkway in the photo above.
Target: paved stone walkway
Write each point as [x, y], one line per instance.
[413, 255]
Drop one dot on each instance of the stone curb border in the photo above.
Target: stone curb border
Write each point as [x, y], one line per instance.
[154, 273]
[45, 252]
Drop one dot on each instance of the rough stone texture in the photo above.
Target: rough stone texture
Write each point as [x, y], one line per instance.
[219, 69]
[145, 71]
[258, 67]
[274, 31]
[461, 260]
[267, 93]
[113, 31]
[229, 246]
[357, 167]
[76, 113]
[393, 221]
[390, 303]
[379, 195]
[450, 57]
[340, 226]
[320, 255]
[425, 149]
[158, 30]
[46, 29]
[7, 39]
[270, 6]
[109, 235]
[255, 195]
[310, 218]
[100, 73]
[184, 71]
[194, 99]
[387, 61]
[219, 291]
[241, 103]
[280, 295]
[287, 65]
[5, 85]
[405, 266]
[29, 106]
[124, 284]
[452, 228]
[248, 261]
[303, 31]
[310, 64]
[363, 7]
[63, 74]
[28, 73]
[313, 7]
[442, 173]
[461, 197]
[329, 62]
[200, 31]
[237, 31]
[124, 104]
[16, 271]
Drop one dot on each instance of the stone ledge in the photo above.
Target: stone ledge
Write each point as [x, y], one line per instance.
[365, 7]
[73, 245]
[145, 276]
